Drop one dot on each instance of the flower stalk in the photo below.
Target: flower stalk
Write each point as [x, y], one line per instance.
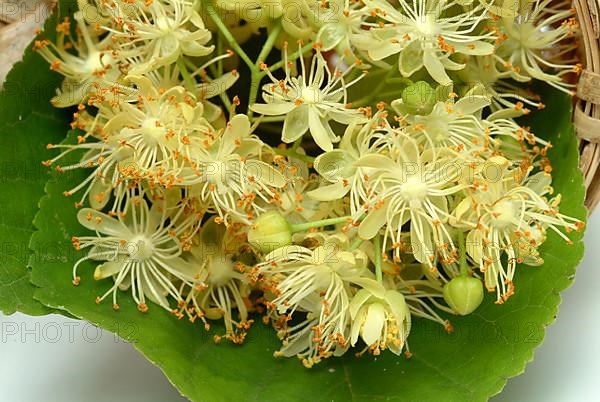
[301, 227]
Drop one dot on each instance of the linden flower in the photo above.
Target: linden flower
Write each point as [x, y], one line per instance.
[229, 174]
[200, 83]
[316, 282]
[105, 158]
[158, 32]
[310, 100]
[421, 288]
[381, 319]
[535, 41]
[162, 129]
[222, 286]
[506, 209]
[104, 178]
[508, 100]
[91, 64]
[151, 139]
[339, 22]
[292, 199]
[411, 186]
[426, 33]
[338, 167]
[295, 17]
[450, 124]
[142, 249]
[516, 143]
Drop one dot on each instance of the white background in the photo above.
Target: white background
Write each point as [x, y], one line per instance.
[85, 365]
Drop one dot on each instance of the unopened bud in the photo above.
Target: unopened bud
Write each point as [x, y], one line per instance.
[419, 98]
[270, 231]
[463, 294]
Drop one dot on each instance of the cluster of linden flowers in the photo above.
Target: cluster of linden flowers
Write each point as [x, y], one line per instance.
[336, 216]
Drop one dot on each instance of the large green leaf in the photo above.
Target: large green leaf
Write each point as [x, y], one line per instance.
[27, 123]
[473, 363]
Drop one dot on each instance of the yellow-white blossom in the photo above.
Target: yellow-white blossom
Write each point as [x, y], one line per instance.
[93, 64]
[229, 173]
[509, 212]
[310, 101]
[141, 249]
[381, 318]
[317, 283]
[410, 186]
[538, 43]
[157, 33]
[426, 33]
[221, 290]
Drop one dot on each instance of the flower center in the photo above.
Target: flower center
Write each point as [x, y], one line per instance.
[216, 172]
[523, 36]
[438, 129]
[94, 62]
[311, 95]
[168, 43]
[140, 248]
[153, 130]
[505, 212]
[414, 189]
[221, 270]
[533, 37]
[426, 24]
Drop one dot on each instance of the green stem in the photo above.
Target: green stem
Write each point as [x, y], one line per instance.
[301, 227]
[269, 43]
[297, 144]
[253, 94]
[378, 263]
[223, 95]
[368, 99]
[400, 80]
[214, 15]
[270, 119]
[356, 243]
[377, 71]
[464, 268]
[220, 51]
[293, 154]
[293, 57]
[257, 75]
[189, 82]
[190, 65]
[385, 95]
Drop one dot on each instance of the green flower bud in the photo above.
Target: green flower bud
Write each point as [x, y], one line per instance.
[463, 294]
[270, 231]
[419, 98]
[512, 148]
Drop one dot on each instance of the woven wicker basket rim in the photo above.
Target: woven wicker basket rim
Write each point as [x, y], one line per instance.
[587, 109]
